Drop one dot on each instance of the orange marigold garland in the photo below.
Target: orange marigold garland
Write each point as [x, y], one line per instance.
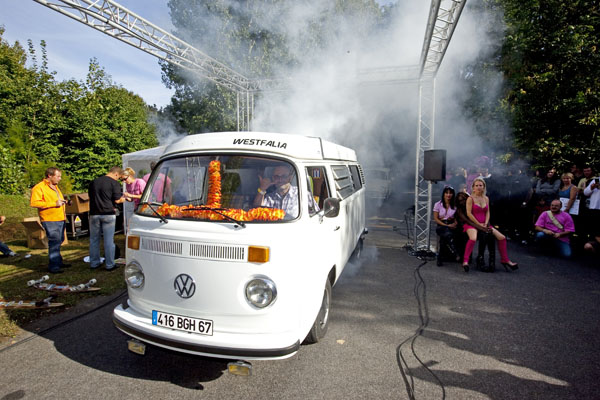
[254, 214]
[214, 201]
[214, 184]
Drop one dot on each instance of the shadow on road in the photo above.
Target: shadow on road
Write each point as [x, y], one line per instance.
[532, 333]
[94, 342]
[499, 336]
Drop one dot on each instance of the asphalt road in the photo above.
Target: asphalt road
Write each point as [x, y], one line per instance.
[528, 334]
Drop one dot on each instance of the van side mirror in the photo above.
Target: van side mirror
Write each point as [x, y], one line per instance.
[331, 207]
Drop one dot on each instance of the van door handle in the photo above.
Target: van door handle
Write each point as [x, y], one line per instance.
[337, 228]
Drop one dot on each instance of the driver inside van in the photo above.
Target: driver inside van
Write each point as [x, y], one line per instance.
[285, 195]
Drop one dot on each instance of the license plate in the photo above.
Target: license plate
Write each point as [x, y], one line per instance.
[179, 322]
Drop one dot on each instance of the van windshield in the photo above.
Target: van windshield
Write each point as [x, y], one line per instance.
[222, 188]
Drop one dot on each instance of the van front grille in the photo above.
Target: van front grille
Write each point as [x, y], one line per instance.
[218, 252]
[162, 246]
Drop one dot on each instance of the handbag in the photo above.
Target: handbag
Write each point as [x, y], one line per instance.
[574, 208]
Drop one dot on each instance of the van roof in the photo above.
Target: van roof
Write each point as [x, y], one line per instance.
[295, 146]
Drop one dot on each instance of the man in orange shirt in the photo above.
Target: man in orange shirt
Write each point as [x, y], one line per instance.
[50, 202]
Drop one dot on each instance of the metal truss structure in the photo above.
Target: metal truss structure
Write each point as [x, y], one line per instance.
[111, 18]
[114, 20]
[245, 110]
[443, 17]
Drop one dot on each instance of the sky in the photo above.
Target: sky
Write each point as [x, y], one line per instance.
[71, 45]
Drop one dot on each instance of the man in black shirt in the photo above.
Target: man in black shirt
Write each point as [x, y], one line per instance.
[105, 193]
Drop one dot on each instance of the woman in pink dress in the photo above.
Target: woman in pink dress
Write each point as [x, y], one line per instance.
[478, 211]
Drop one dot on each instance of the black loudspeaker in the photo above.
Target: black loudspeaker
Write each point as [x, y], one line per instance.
[434, 165]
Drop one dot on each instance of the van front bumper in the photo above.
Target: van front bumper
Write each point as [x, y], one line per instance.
[221, 345]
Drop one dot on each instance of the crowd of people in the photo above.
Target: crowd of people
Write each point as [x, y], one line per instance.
[559, 213]
[105, 194]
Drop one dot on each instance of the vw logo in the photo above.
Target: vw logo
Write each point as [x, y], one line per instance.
[184, 286]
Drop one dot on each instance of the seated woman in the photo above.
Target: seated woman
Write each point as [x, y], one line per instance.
[443, 214]
[463, 220]
[478, 211]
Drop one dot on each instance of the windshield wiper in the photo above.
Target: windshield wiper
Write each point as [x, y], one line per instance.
[162, 219]
[217, 211]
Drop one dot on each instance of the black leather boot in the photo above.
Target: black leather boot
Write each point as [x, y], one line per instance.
[453, 250]
[480, 263]
[491, 242]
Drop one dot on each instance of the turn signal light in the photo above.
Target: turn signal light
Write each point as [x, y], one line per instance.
[258, 254]
[133, 242]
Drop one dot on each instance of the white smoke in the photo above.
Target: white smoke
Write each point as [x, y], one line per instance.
[329, 97]
[327, 94]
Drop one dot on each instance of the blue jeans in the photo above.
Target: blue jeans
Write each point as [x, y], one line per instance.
[55, 230]
[563, 248]
[102, 225]
[4, 249]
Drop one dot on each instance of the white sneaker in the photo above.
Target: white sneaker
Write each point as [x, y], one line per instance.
[12, 254]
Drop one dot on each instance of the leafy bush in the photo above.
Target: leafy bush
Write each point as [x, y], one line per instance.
[11, 175]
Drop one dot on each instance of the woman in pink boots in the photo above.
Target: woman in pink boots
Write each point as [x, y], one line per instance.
[478, 211]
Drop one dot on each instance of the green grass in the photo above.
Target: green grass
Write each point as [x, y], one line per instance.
[16, 271]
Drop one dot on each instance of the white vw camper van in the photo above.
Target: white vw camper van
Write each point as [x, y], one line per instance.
[237, 242]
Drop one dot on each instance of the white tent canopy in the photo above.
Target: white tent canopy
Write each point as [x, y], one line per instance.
[140, 160]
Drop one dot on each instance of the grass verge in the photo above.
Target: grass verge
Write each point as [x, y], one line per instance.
[16, 271]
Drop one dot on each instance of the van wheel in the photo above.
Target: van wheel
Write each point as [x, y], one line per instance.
[319, 328]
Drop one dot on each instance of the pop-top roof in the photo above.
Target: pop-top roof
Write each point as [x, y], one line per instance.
[294, 146]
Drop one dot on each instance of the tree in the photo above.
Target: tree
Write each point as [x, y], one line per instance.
[81, 127]
[551, 61]
[482, 81]
[13, 77]
[102, 122]
[257, 38]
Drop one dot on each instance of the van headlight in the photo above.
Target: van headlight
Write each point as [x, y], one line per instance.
[261, 292]
[134, 275]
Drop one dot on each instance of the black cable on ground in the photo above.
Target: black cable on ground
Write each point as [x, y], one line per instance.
[65, 322]
[423, 311]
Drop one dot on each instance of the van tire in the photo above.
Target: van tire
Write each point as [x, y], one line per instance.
[319, 328]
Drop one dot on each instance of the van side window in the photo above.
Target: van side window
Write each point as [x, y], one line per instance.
[343, 181]
[317, 188]
[356, 176]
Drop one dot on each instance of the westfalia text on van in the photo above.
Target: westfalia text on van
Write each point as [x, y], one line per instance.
[237, 241]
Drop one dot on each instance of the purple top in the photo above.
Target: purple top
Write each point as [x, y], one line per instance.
[442, 212]
[137, 187]
[565, 220]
